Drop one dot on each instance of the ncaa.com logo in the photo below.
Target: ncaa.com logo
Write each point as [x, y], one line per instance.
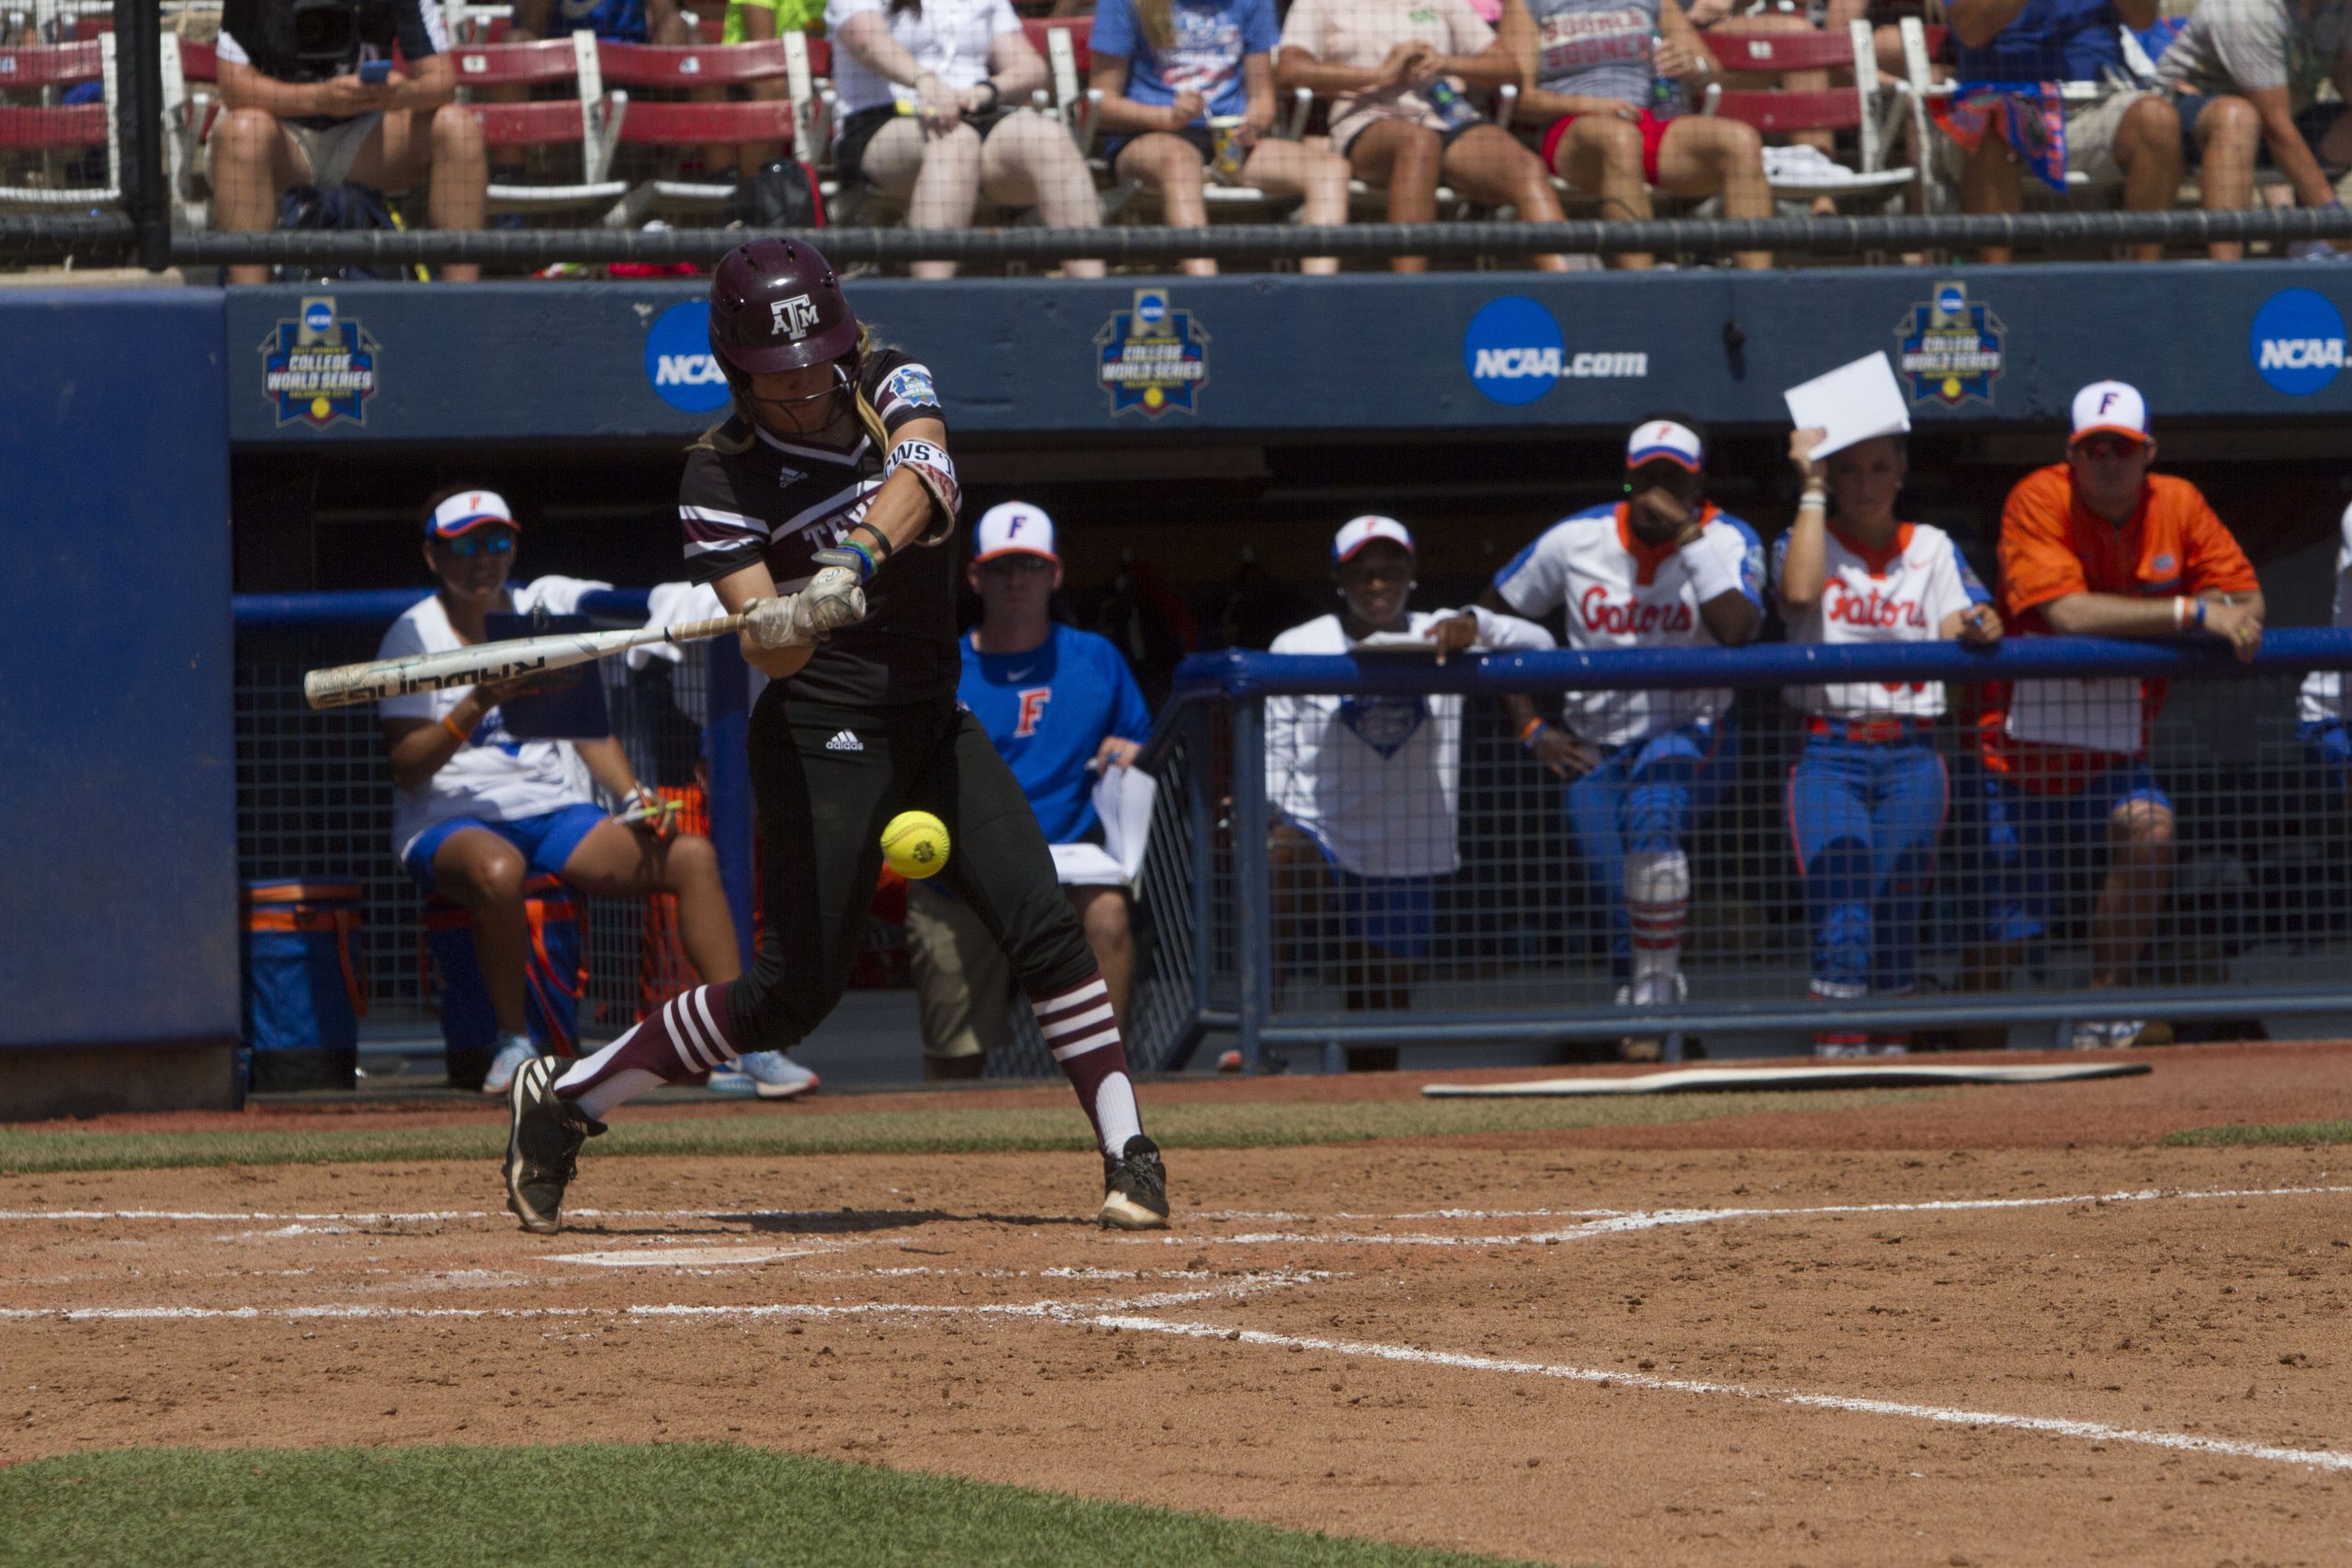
[1514, 353]
[679, 363]
[2298, 340]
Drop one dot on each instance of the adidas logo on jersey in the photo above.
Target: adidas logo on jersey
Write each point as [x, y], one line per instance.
[844, 742]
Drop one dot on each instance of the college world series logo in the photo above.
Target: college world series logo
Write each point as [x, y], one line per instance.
[320, 366]
[1152, 357]
[1949, 348]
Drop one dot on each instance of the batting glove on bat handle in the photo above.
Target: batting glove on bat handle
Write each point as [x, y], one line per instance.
[781, 621]
[833, 598]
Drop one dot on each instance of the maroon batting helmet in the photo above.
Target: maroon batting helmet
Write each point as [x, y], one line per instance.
[776, 305]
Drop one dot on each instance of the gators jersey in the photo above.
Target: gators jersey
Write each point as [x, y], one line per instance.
[748, 496]
[1619, 593]
[1900, 593]
[2323, 694]
[1049, 710]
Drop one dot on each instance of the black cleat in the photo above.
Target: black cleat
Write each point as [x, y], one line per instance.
[1134, 1196]
[542, 1138]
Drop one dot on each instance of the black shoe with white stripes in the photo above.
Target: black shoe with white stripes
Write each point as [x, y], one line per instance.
[1134, 1196]
[544, 1133]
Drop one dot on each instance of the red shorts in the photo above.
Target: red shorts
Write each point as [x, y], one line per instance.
[1653, 137]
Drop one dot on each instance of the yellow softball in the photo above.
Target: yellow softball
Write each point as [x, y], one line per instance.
[915, 844]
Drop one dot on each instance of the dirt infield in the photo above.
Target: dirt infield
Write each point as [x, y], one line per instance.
[1993, 1327]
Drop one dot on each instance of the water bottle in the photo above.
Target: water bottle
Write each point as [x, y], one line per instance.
[1666, 99]
[1443, 97]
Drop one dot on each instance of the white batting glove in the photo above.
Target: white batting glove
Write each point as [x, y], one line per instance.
[833, 597]
[779, 623]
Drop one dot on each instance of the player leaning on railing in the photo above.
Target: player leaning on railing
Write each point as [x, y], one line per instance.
[1664, 568]
[815, 510]
[1867, 797]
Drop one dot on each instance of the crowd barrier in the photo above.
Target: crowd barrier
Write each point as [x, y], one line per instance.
[1517, 943]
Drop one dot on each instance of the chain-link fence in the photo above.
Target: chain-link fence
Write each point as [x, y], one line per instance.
[2071, 854]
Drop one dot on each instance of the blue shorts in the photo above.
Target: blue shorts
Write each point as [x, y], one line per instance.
[2033, 840]
[2329, 741]
[547, 841]
[1391, 913]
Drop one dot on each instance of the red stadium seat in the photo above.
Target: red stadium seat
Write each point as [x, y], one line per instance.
[1859, 108]
[652, 124]
[1079, 28]
[200, 62]
[511, 64]
[59, 134]
[653, 65]
[1770, 53]
[586, 120]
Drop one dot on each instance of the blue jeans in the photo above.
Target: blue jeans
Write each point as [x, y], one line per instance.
[1643, 797]
[1865, 817]
[2034, 842]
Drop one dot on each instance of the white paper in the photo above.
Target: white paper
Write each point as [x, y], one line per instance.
[1853, 404]
[2102, 714]
[1123, 798]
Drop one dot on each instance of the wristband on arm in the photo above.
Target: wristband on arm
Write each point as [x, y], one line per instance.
[449, 723]
[1709, 575]
[1532, 733]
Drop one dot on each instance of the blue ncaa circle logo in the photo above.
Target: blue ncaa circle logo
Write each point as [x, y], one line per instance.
[1512, 350]
[679, 363]
[1951, 299]
[318, 316]
[1151, 308]
[2298, 340]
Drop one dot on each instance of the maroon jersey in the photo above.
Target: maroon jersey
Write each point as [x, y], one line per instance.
[781, 503]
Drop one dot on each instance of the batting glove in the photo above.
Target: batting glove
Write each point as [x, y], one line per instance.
[834, 596]
[780, 623]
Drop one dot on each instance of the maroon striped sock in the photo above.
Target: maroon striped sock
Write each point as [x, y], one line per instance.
[682, 1038]
[1084, 1038]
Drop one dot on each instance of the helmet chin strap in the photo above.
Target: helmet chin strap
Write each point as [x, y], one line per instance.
[747, 402]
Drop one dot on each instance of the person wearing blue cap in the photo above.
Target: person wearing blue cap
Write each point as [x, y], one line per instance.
[477, 811]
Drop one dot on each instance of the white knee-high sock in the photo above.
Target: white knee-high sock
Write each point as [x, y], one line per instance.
[1657, 898]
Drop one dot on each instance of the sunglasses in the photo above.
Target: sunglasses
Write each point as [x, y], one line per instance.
[491, 541]
[2107, 448]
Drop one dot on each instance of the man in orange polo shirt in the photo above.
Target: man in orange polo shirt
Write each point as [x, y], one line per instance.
[2097, 545]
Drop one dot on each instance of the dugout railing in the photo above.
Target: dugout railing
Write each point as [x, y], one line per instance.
[314, 800]
[1516, 945]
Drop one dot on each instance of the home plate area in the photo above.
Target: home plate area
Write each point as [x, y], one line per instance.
[1607, 1356]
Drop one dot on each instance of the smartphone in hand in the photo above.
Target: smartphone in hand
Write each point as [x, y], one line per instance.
[375, 72]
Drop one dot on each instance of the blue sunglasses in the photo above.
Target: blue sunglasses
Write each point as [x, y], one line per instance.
[465, 546]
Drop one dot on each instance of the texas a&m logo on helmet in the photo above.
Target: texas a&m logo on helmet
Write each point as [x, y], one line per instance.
[792, 318]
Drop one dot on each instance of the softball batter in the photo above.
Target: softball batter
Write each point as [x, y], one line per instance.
[817, 509]
[1867, 796]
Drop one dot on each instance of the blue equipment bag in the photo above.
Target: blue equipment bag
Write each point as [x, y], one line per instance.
[302, 992]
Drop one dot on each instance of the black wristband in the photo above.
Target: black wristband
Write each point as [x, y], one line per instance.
[996, 93]
[888, 549]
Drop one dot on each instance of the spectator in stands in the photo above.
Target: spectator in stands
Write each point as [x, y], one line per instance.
[616, 21]
[1867, 793]
[760, 21]
[477, 812]
[2097, 545]
[1592, 64]
[2323, 711]
[2248, 71]
[1398, 73]
[1062, 709]
[929, 93]
[1662, 568]
[1175, 76]
[288, 120]
[2129, 135]
[1366, 788]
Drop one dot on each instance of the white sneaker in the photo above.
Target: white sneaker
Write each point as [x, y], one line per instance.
[509, 1061]
[1649, 991]
[770, 1075]
[2111, 1034]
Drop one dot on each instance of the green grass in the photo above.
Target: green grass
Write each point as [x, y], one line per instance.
[1194, 1126]
[597, 1504]
[2287, 1132]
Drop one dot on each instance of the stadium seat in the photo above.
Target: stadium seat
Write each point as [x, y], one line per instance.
[1857, 108]
[690, 67]
[60, 133]
[652, 124]
[585, 120]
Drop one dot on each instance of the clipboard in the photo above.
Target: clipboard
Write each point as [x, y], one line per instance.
[572, 708]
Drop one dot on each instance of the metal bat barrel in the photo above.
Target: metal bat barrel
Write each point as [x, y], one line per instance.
[346, 685]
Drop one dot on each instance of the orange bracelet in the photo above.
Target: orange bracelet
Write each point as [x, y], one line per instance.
[1536, 727]
[449, 723]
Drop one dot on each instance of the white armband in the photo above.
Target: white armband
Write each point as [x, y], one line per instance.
[936, 469]
[1711, 576]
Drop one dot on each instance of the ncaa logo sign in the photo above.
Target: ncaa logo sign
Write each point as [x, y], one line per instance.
[679, 363]
[1512, 350]
[318, 317]
[2298, 342]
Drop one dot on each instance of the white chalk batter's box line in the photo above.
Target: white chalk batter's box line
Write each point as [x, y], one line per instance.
[1593, 1221]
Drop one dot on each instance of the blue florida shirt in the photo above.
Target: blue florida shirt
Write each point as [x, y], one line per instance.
[1049, 710]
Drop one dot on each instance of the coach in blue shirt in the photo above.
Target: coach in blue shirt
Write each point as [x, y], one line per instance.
[1061, 707]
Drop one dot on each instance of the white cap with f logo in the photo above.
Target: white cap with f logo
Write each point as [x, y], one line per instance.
[1015, 528]
[2109, 408]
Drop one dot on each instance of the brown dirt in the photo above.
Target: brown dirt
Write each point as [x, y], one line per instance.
[1262, 1365]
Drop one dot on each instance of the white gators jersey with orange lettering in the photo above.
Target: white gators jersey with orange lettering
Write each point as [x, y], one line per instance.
[2322, 696]
[1900, 594]
[1619, 594]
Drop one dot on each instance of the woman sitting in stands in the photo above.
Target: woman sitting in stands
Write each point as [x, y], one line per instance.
[1189, 83]
[932, 112]
[1400, 73]
[1593, 66]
